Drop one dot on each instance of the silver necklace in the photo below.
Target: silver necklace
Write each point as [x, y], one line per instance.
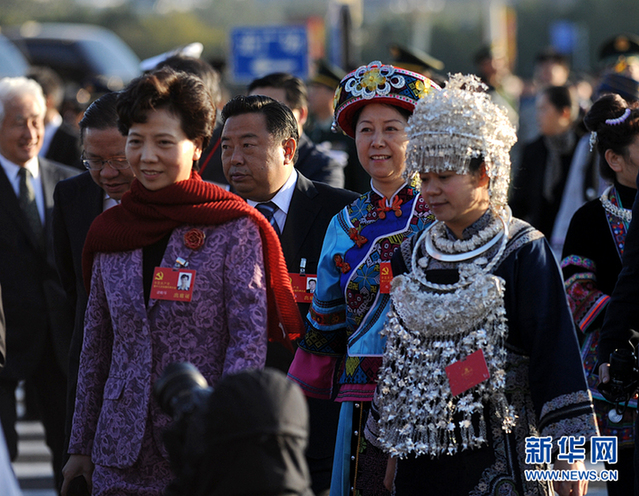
[624, 214]
[420, 266]
[432, 250]
[478, 239]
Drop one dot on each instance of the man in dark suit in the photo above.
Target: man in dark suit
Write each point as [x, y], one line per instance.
[259, 146]
[78, 201]
[38, 316]
[315, 162]
[3, 334]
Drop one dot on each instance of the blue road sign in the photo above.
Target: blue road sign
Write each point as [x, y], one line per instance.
[258, 51]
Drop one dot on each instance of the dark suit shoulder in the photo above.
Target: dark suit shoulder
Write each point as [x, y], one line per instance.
[69, 187]
[65, 146]
[58, 170]
[336, 193]
[324, 191]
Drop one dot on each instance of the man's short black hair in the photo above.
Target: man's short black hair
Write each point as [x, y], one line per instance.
[101, 114]
[294, 87]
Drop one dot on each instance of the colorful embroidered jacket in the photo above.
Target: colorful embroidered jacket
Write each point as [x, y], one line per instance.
[342, 341]
[591, 263]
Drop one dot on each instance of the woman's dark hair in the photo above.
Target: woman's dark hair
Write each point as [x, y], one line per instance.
[404, 112]
[616, 137]
[199, 68]
[562, 97]
[181, 94]
[475, 163]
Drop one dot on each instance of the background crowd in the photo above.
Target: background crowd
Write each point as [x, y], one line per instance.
[253, 197]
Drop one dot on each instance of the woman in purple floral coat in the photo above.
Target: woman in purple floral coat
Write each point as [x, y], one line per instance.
[137, 320]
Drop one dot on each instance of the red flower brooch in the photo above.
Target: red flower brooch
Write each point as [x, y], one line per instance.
[194, 239]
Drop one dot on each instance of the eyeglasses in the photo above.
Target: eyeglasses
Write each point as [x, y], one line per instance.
[97, 164]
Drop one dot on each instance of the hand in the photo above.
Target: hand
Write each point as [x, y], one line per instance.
[570, 488]
[77, 465]
[604, 373]
[389, 476]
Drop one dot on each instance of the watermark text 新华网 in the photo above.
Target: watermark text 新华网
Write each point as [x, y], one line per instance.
[571, 449]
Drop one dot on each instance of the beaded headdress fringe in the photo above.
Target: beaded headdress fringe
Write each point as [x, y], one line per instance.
[457, 124]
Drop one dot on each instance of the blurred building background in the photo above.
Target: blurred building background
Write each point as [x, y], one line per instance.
[351, 32]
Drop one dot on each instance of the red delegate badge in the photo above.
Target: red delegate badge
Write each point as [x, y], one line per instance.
[303, 287]
[467, 373]
[172, 284]
[385, 277]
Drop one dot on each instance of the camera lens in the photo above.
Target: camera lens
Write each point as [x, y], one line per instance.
[176, 385]
[621, 366]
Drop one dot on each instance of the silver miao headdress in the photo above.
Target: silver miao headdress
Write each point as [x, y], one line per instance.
[461, 122]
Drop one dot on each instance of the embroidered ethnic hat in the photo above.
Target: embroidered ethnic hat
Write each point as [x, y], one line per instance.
[450, 127]
[377, 83]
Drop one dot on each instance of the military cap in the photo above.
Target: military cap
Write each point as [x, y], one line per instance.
[414, 60]
[327, 75]
[623, 45]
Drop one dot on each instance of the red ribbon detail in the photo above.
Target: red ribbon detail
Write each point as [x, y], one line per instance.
[343, 266]
[396, 207]
[354, 234]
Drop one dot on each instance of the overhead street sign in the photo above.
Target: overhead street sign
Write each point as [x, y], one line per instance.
[258, 51]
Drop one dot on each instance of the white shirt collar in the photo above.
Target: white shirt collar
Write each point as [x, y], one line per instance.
[283, 197]
[11, 169]
[108, 202]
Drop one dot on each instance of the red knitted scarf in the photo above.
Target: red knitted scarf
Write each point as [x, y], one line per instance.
[145, 217]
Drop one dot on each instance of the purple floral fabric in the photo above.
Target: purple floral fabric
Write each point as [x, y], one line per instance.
[127, 345]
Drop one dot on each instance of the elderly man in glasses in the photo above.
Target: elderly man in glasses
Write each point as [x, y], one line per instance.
[78, 201]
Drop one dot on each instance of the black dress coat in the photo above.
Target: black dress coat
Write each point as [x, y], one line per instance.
[312, 207]
[526, 196]
[39, 317]
[3, 333]
[622, 314]
[78, 201]
[34, 302]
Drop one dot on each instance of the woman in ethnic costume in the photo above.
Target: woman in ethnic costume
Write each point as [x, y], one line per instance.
[592, 261]
[342, 351]
[137, 320]
[481, 351]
